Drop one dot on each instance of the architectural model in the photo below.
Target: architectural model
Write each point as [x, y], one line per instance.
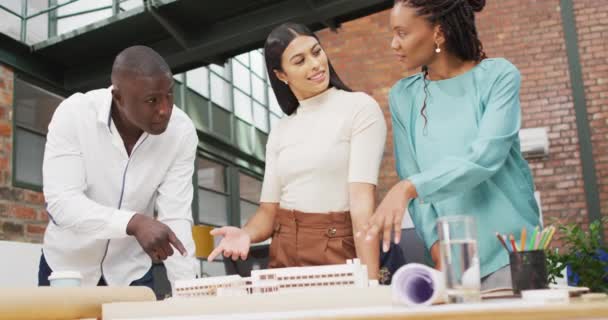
[267, 281]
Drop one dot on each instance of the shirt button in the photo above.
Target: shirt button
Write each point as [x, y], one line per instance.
[331, 231]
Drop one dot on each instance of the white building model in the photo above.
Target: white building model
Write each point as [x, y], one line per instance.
[351, 274]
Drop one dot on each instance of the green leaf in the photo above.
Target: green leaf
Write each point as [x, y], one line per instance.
[579, 251]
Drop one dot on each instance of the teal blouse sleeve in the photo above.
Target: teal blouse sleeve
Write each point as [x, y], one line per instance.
[406, 166]
[498, 129]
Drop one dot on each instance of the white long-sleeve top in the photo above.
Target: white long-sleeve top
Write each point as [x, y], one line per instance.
[333, 139]
[93, 187]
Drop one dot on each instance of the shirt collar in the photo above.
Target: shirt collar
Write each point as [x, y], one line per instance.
[316, 101]
[105, 107]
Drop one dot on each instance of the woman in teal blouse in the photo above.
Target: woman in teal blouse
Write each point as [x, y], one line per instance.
[455, 132]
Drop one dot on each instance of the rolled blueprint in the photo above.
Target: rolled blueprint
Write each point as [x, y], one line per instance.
[417, 284]
[43, 303]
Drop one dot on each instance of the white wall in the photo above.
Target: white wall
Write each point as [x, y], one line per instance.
[19, 266]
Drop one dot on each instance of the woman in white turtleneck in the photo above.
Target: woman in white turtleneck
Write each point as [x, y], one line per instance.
[322, 163]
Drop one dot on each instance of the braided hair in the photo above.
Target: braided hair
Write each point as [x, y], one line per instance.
[456, 18]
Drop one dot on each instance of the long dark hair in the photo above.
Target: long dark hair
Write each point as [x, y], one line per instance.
[456, 18]
[274, 47]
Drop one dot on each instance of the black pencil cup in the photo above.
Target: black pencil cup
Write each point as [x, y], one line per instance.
[528, 270]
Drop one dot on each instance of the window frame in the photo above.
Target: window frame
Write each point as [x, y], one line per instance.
[14, 127]
[232, 174]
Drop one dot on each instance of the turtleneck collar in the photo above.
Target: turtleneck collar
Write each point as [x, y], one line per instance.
[316, 101]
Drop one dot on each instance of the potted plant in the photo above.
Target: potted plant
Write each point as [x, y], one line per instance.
[584, 256]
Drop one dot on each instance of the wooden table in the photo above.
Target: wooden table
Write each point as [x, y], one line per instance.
[347, 303]
[573, 310]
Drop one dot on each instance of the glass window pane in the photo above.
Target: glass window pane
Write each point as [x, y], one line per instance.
[273, 120]
[81, 5]
[244, 58]
[259, 144]
[247, 211]
[37, 27]
[11, 25]
[257, 63]
[259, 89]
[130, 4]
[177, 95]
[220, 92]
[29, 149]
[220, 70]
[197, 109]
[198, 80]
[212, 208]
[211, 175]
[12, 5]
[273, 103]
[240, 77]
[260, 116]
[221, 122]
[34, 107]
[242, 106]
[243, 131]
[250, 188]
[78, 21]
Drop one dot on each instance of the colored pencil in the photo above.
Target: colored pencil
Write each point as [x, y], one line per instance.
[543, 238]
[523, 238]
[537, 241]
[512, 239]
[502, 241]
[549, 237]
[532, 238]
[506, 239]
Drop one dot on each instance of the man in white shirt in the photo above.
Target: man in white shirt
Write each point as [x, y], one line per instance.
[114, 159]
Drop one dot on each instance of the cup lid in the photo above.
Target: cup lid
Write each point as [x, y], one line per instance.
[65, 275]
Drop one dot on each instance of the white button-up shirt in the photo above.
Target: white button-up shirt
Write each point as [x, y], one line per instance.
[93, 187]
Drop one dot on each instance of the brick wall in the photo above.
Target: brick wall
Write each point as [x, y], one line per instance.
[22, 214]
[592, 28]
[532, 38]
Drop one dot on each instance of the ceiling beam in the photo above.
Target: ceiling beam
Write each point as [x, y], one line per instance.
[19, 56]
[229, 37]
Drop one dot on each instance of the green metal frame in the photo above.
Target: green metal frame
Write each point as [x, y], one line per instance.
[234, 208]
[52, 11]
[14, 181]
[232, 193]
[237, 221]
[194, 205]
[209, 135]
[580, 107]
[264, 79]
[227, 193]
[52, 21]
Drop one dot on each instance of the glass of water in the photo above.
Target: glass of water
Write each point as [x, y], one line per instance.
[459, 258]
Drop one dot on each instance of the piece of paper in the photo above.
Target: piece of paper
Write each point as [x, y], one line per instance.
[417, 284]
